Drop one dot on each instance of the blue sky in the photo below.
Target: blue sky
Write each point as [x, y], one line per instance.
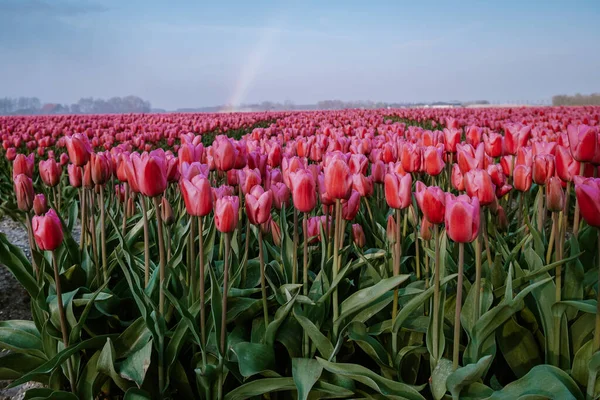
[196, 53]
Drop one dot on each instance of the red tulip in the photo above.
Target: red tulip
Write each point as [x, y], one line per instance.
[543, 168]
[189, 171]
[362, 184]
[478, 183]
[358, 235]
[47, 230]
[391, 229]
[411, 159]
[501, 220]
[431, 200]
[24, 192]
[64, 159]
[258, 205]
[515, 136]
[468, 158]
[524, 156]
[433, 161]
[188, 152]
[223, 153]
[281, 194]
[197, 195]
[326, 200]
[351, 206]
[101, 168]
[120, 193]
[457, 178]
[587, 191]
[507, 163]
[583, 141]
[338, 180]
[49, 172]
[75, 175]
[494, 144]
[248, 178]
[398, 192]
[462, 218]
[303, 190]
[274, 155]
[451, 139]
[555, 196]
[276, 233]
[474, 135]
[221, 192]
[566, 166]
[378, 171]
[522, 178]
[11, 154]
[151, 173]
[358, 164]
[40, 205]
[426, 229]
[88, 183]
[23, 165]
[227, 213]
[79, 149]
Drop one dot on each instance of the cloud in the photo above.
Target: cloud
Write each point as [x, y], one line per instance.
[22, 8]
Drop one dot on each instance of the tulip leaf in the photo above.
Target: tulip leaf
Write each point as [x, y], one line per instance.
[305, 373]
[15, 261]
[467, 375]
[321, 341]
[271, 385]
[254, 358]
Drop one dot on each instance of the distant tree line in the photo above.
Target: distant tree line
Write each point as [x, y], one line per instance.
[87, 105]
[577, 100]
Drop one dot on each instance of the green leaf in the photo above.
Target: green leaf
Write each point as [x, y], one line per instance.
[48, 394]
[281, 313]
[15, 261]
[254, 358]
[519, 347]
[14, 365]
[88, 382]
[216, 308]
[271, 385]
[136, 394]
[467, 375]
[543, 381]
[321, 341]
[106, 365]
[21, 337]
[443, 369]
[306, 373]
[371, 379]
[136, 365]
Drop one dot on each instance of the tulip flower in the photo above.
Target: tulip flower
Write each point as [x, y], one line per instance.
[524, 156]
[79, 149]
[151, 173]
[223, 153]
[587, 191]
[451, 139]
[23, 165]
[425, 231]
[358, 235]
[248, 178]
[457, 178]
[583, 141]
[412, 158]
[275, 233]
[507, 163]
[11, 154]
[40, 205]
[226, 213]
[303, 190]
[462, 218]
[258, 205]
[493, 144]
[433, 163]
[101, 168]
[24, 192]
[543, 168]
[431, 201]
[338, 180]
[378, 172]
[501, 220]
[566, 166]
[47, 230]
[522, 178]
[478, 183]
[473, 135]
[398, 190]
[351, 206]
[64, 159]
[362, 184]
[197, 195]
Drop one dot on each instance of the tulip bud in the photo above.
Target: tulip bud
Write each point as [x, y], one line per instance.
[555, 197]
[358, 235]
[75, 178]
[303, 190]
[24, 192]
[50, 172]
[398, 193]
[426, 229]
[166, 212]
[351, 206]
[391, 229]
[501, 220]
[522, 178]
[276, 233]
[431, 201]
[227, 213]
[47, 231]
[462, 218]
[40, 204]
[258, 205]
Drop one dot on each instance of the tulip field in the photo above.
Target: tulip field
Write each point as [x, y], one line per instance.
[356, 254]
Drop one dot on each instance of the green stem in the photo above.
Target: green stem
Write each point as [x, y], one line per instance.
[477, 305]
[224, 310]
[202, 298]
[93, 231]
[32, 245]
[146, 242]
[82, 197]
[192, 266]
[295, 263]
[396, 272]
[124, 226]
[263, 285]
[576, 217]
[103, 235]
[436, 296]
[63, 320]
[597, 331]
[335, 265]
[305, 277]
[459, 287]
[161, 250]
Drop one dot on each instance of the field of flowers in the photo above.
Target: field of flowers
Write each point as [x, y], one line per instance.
[401, 254]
